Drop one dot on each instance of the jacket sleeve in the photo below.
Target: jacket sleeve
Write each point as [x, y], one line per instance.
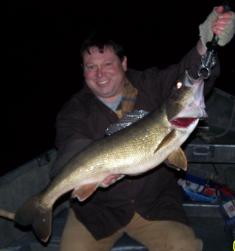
[71, 134]
[159, 82]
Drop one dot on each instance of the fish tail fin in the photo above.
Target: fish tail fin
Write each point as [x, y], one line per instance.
[32, 213]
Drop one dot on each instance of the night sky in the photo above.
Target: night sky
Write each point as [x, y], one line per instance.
[43, 66]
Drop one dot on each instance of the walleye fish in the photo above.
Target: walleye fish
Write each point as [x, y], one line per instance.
[131, 151]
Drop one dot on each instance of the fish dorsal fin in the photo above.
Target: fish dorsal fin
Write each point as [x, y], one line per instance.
[84, 191]
[129, 119]
[177, 159]
[166, 140]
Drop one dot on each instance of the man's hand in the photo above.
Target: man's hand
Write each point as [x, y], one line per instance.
[220, 23]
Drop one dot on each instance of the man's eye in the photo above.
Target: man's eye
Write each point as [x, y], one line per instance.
[90, 67]
[108, 64]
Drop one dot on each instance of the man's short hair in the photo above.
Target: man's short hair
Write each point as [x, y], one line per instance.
[101, 40]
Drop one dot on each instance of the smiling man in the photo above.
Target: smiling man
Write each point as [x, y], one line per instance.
[147, 207]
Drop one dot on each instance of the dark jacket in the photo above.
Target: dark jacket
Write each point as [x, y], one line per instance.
[154, 195]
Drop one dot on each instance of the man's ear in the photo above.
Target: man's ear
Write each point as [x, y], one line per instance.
[124, 63]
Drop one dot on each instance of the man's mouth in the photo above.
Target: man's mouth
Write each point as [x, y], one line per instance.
[104, 82]
[182, 122]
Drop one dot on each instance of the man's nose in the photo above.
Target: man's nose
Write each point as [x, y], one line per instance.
[99, 72]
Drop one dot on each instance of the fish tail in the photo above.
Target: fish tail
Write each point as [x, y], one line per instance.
[33, 213]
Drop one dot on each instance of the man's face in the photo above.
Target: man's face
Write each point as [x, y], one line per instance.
[104, 73]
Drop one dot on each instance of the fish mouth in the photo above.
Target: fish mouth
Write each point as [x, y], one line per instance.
[183, 122]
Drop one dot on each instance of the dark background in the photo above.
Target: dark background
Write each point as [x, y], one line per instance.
[43, 66]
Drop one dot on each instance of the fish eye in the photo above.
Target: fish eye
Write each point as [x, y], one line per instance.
[179, 84]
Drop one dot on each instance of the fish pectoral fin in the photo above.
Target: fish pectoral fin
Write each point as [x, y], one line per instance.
[85, 191]
[166, 140]
[177, 160]
[109, 180]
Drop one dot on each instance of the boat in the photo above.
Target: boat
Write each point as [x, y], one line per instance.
[211, 156]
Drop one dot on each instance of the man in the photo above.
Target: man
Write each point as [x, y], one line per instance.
[148, 207]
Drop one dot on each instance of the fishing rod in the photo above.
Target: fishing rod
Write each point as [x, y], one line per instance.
[209, 59]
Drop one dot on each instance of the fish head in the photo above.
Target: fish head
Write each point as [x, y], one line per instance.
[186, 104]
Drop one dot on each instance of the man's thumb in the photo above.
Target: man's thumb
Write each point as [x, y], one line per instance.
[219, 9]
